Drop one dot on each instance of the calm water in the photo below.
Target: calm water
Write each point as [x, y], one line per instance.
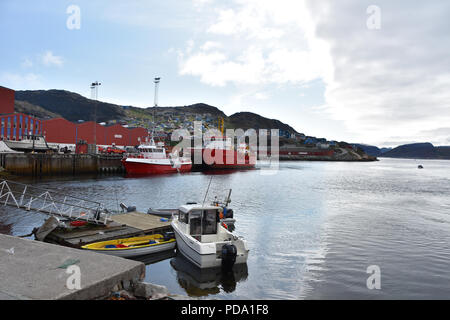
[313, 228]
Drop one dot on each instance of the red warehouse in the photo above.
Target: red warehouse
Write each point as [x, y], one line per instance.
[60, 130]
[6, 100]
[15, 126]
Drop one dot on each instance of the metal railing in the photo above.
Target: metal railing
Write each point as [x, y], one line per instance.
[52, 202]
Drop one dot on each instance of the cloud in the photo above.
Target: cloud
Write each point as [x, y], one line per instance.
[26, 63]
[49, 59]
[391, 82]
[20, 81]
[258, 42]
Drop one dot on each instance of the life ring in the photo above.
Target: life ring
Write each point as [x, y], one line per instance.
[224, 225]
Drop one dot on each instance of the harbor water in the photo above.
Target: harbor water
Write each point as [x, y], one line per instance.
[313, 228]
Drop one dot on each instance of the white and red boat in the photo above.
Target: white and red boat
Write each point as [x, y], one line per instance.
[153, 159]
[220, 153]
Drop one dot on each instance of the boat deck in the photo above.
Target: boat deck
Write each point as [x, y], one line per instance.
[122, 226]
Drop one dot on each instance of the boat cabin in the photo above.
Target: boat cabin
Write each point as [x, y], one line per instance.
[152, 151]
[201, 223]
[218, 143]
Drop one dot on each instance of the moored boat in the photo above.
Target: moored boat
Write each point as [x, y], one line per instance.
[153, 159]
[202, 238]
[219, 153]
[134, 247]
[32, 143]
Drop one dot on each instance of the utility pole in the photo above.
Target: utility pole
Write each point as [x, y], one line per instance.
[94, 96]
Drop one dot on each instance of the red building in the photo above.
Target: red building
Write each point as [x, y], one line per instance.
[6, 100]
[61, 131]
[15, 126]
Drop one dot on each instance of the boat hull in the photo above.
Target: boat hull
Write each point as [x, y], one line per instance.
[227, 159]
[133, 247]
[147, 168]
[131, 253]
[204, 260]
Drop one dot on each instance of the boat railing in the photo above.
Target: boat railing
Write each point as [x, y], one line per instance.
[52, 202]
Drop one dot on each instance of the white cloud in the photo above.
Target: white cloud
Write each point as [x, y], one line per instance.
[381, 84]
[49, 59]
[20, 81]
[259, 42]
[26, 63]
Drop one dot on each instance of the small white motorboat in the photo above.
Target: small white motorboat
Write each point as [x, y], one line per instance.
[204, 240]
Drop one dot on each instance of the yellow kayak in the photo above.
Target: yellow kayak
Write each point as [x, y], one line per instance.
[133, 247]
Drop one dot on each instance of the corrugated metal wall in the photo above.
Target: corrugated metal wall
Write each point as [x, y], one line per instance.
[62, 131]
[6, 100]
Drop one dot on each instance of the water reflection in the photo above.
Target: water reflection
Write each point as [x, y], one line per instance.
[203, 282]
[155, 257]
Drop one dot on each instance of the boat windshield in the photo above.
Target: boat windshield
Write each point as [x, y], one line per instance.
[203, 222]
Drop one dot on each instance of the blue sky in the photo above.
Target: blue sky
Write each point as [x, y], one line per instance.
[315, 65]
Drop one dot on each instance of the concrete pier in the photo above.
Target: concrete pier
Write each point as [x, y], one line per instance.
[32, 270]
[38, 165]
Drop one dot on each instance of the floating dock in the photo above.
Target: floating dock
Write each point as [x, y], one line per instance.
[33, 270]
[125, 225]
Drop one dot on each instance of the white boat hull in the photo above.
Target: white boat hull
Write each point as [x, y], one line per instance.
[206, 257]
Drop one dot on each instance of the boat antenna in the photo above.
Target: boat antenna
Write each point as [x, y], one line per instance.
[207, 190]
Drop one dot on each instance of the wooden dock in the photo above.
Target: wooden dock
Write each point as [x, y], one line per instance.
[121, 226]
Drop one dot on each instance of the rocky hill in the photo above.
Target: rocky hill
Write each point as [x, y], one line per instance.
[74, 107]
[419, 151]
[248, 120]
[71, 106]
[31, 109]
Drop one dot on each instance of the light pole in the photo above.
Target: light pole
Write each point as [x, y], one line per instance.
[94, 96]
[157, 80]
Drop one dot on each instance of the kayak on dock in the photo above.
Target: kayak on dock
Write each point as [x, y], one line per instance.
[134, 247]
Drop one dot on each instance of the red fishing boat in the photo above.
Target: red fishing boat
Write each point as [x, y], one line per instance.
[153, 159]
[220, 153]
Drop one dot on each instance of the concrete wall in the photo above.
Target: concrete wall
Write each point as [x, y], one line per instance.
[59, 164]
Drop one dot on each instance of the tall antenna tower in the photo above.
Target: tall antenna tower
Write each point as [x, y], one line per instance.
[157, 80]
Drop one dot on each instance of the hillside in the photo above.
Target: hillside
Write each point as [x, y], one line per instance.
[372, 150]
[247, 120]
[37, 111]
[74, 107]
[71, 106]
[419, 151]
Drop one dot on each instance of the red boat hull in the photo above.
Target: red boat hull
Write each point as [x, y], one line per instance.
[230, 159]
[149, 169]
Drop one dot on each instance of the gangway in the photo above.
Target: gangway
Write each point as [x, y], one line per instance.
[52, 202]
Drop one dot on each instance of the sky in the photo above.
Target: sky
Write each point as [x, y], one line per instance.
[374, 72]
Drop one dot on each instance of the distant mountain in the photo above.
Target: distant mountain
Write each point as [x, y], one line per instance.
[419, 151]
[370, 150]
[247, 120]
[72, 106]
